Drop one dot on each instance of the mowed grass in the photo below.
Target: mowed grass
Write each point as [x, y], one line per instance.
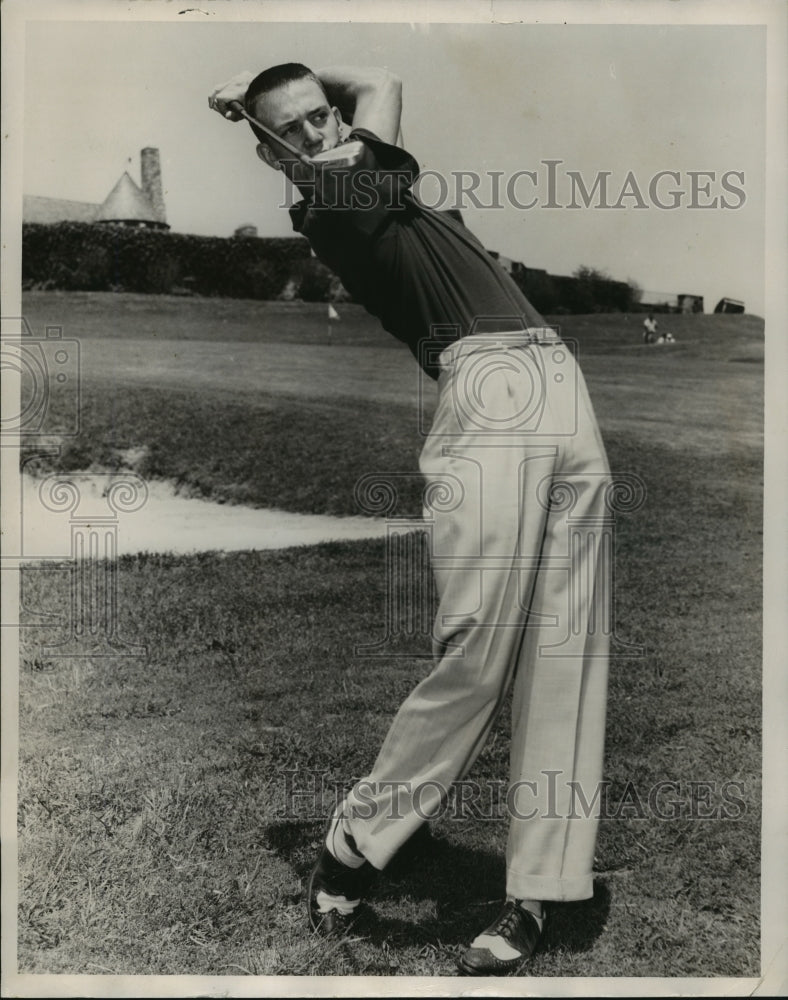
[230, 398]
[156, 831]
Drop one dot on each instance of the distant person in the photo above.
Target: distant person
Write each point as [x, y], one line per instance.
[649, 329]
[512, 454]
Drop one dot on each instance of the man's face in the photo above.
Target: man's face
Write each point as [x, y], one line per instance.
[299, 113]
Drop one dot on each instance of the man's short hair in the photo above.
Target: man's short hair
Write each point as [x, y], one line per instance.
[271, 79]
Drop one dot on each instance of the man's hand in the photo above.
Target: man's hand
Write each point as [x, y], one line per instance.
[225, 93]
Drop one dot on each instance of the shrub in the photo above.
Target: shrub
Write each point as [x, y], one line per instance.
[595, 292]
[92, 257]
[313, 280]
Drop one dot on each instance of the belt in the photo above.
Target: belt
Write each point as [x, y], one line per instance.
[496, 341]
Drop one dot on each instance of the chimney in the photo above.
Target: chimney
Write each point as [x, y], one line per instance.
[150, 170]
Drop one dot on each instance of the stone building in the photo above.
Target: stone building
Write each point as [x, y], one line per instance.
[126, 204]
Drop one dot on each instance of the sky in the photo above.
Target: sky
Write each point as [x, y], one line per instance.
[631, 100]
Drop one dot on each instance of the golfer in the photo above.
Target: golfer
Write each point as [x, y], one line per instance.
[516, 459]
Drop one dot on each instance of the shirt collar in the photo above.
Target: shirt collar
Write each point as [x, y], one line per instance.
[298, 214]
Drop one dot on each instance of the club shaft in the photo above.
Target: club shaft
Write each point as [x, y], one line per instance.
[241, 110]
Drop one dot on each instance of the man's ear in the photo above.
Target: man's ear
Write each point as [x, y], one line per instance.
[338, 115]
[266, 154]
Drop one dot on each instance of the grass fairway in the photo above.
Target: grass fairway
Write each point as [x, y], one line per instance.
[247, 402]
[156, 835]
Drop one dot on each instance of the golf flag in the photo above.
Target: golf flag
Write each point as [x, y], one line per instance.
[332, 313]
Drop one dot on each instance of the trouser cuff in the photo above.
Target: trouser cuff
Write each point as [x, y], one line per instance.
[561, 890]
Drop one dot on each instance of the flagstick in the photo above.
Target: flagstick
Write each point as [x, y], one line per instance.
[332, 316]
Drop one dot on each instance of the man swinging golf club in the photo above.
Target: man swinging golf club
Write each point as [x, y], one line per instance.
[521, 570]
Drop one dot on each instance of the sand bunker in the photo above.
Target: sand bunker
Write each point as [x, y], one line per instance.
[151, 517]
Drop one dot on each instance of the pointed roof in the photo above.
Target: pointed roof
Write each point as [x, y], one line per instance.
[36, 208]
[126, 203]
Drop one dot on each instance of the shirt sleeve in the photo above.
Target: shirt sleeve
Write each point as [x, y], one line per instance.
[367, 194]
[388, 157]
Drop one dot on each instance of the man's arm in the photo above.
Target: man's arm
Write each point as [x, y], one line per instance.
[368, 97]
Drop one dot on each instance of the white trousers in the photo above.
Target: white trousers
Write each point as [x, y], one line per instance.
[521, 547]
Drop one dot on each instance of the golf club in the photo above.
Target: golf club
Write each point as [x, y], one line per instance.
[346, 155]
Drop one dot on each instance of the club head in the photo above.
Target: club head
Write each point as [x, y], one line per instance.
[343, 157]
[348, 154]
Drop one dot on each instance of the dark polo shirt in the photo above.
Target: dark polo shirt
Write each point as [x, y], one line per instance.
[419, 271]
